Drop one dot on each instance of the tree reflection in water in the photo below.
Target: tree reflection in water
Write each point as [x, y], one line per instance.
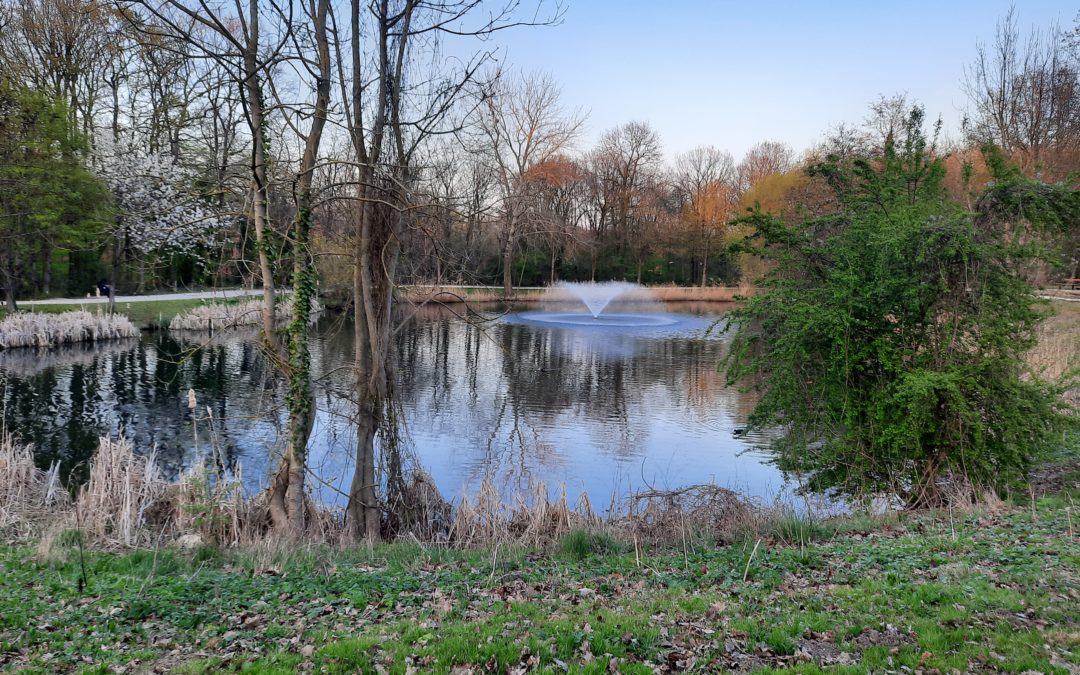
[603, 411]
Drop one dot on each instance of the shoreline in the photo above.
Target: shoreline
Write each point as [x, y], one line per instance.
[989, 587]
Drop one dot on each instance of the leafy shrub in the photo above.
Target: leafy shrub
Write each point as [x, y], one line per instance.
[888, 340]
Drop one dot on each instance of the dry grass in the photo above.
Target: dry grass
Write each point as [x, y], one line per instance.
[707, 294]
[27, 329]
[223, 316]
[533, 520]
[28, 495]
[123, 489]
[1057, 353]
[214, 509]
[126, 503]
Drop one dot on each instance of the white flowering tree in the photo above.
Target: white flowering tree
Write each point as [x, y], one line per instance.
[158, 211]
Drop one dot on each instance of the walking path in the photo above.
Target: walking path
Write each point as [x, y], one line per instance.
[218, 294]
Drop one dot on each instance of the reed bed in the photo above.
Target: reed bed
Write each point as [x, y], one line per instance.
[126, 503]
[531, 519]
[28, 494]
[42, 330]
[223, 316]
[112, 508]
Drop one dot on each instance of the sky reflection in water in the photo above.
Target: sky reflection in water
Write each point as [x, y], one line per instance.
[602, 408]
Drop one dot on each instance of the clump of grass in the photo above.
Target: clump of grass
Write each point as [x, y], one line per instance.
[534, 520]
[28, 494]
[579, 544]
[222, 316]
[786, 526]
[212, 507]
[123, 489]
[27, 329]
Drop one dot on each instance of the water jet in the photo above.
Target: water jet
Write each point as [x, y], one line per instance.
[610, 304]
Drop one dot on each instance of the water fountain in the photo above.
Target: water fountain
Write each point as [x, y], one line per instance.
[598, 298]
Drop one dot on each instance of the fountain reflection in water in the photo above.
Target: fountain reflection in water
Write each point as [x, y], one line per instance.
[610, 304]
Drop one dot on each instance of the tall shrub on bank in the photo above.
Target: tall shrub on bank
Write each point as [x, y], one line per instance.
[887, 341]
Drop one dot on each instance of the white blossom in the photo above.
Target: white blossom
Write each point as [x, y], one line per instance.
[158, 212]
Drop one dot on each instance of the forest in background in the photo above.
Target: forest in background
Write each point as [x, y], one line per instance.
[126, 153]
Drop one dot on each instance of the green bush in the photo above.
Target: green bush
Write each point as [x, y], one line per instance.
[888, 339]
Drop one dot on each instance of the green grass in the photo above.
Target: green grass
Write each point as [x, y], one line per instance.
[964, 592]
[148, 314]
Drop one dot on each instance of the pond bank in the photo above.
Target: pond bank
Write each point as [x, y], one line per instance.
[981, 590]
[457, 294]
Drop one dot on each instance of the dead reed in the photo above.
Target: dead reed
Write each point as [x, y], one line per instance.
[123, 488]
[532, 519]
[127, 503]
[223, 316]
[28, 329]
[28, 495]
[1057, 352]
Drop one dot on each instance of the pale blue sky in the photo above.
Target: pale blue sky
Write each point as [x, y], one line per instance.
[731, 73]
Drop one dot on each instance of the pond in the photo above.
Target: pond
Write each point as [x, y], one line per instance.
[606, 409]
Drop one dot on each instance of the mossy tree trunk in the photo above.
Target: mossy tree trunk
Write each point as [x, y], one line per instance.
[287, 493]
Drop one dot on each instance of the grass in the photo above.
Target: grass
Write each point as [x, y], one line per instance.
[982, 591]
[148, 314]
[1058, 350]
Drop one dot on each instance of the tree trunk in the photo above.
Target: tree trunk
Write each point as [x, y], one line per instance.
[114, 274]
[12, 281]
[363, 511]
[551, 277]
[259, 185]
[46, 267]
[508, 267]
[141, 285]
[287, 498]
[705, 267]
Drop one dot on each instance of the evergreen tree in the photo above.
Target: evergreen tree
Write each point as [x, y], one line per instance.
[48, 200]
[888, 340]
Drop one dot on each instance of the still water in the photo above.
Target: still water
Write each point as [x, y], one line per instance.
[513, 397]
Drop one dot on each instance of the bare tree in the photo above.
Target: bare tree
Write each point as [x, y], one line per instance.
[705, 179]
[395, 105]
[60, 47]
[287, 492]
[764, 159]
[237, 42]
[1025, 98]
[628, 162]
[522, 124]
